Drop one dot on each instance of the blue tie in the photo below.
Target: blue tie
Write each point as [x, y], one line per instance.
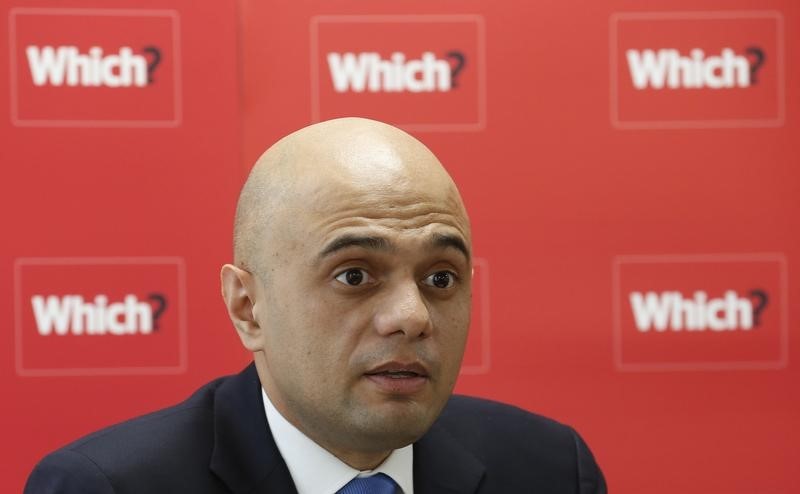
[377, 484]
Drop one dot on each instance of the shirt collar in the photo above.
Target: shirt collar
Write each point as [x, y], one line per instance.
[315, 470]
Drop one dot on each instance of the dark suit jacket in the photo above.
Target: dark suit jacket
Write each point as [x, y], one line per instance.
[218, 441]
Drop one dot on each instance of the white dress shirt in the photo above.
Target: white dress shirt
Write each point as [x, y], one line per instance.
[315, 470]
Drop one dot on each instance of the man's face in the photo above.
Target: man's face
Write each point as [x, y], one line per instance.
[364, 305]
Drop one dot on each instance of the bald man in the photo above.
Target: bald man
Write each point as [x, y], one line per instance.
[351, 286]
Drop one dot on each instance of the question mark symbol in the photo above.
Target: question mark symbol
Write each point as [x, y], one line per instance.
[156, 59]
[757, 60]
[161, 306]
[762, 302]
[460, 60]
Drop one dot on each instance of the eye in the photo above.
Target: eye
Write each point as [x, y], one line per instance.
[441, 279]
[354, 277]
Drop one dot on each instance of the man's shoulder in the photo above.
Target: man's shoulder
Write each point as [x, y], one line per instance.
[482, 414]
[172, 439]
[177, 420]
[518, 447]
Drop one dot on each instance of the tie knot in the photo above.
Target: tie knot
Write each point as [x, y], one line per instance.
[377, 484]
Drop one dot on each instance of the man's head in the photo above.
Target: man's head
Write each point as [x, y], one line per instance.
[352, 284]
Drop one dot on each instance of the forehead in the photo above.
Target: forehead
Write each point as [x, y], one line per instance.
[406, 213]
[402, 215]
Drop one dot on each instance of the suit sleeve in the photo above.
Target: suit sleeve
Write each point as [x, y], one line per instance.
[67, 472]
[590, 477]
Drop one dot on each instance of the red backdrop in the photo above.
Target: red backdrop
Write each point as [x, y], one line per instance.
[630, 171]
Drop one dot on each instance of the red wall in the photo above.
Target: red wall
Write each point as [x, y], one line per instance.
[635, 244]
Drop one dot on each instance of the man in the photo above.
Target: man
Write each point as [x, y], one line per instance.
[351, 285]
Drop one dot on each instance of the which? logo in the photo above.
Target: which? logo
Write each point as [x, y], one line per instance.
[671, 311]
[71, 314]
[700, 312]
[697, 69]
[94, 68]
[90, 316]
[400, 69]
[667, 68]
[66, 65]
[368, 71]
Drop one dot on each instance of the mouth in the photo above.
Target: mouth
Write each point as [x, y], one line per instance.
[399, 378]
[399, 370]
[396, 374]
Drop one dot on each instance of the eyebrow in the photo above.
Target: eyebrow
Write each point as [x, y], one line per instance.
[442, 240]
[346, 241]
[447, 240]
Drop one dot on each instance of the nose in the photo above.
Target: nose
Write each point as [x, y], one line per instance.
[403, 310]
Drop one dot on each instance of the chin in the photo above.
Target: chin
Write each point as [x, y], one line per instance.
[392, 431]
[393, 437]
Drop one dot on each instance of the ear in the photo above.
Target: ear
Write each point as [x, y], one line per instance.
[239, 292]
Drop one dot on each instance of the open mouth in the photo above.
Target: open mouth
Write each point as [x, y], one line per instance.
[399, 370]
[397, 378]
[396, 374]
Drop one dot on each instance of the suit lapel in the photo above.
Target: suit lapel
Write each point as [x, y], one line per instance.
[245, 456]
[247, 460]
[441, 464]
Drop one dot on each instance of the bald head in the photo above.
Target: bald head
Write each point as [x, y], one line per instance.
[326, 165]
[353, 251]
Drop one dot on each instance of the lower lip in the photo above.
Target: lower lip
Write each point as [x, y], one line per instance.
[398, 385]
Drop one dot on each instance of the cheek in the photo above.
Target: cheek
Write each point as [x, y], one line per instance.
[454, 320]
[457, 314]
[325, 333]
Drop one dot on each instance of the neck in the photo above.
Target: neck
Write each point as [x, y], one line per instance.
[359, 460]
